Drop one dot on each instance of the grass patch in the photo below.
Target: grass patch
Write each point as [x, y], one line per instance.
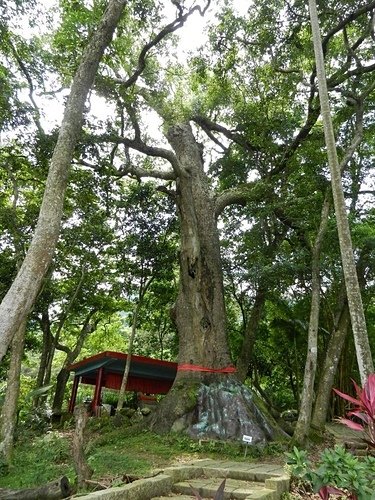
[113, 452]
[37, 461]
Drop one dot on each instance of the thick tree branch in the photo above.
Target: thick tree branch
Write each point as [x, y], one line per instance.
[241, 195]
[230, 197]
[156, 152]
[340, 77]
[139, 172]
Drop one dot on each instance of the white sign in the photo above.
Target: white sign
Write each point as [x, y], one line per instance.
[247, 439]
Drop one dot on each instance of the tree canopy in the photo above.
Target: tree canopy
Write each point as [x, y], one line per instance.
[200, 173]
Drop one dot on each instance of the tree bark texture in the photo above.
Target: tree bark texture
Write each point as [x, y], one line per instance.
[22, 294]
[83, 470]
[206, 398]
[200, 310]
[9, 409]
[357, 317]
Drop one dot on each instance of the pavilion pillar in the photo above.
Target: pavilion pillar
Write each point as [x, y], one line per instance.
[73, 397]
[98, 390]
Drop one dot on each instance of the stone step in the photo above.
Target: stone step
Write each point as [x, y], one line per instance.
[234, 489]
[248, 481]
[242, 471]
[172, 496]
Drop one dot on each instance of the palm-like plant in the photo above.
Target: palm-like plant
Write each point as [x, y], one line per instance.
[364, 409]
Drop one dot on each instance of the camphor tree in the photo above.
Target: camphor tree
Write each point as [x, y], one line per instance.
[251, 95]
[205, 380]
[21, 295]
[266, 138]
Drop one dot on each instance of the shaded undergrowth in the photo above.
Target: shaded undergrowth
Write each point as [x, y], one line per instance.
[115, 452]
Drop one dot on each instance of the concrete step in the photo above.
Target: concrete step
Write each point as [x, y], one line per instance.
[234, 489]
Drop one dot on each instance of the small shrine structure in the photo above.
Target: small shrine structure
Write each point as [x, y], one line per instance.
[106, 369]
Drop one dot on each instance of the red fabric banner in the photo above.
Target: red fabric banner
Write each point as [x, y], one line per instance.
[196, 368]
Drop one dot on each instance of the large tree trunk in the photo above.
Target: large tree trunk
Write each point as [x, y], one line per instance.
[206, 399]
[9, 409]
[21, 296]
[357, 317]
[200, 310]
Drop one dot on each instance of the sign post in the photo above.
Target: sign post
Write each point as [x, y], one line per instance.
[247, 440]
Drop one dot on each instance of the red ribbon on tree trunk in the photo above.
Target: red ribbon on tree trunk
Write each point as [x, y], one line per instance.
[196, 368]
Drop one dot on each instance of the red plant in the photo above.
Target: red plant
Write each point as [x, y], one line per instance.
[326, 491]
[364, 409]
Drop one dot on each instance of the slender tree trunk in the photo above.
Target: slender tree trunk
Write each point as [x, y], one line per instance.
[246, 353]
[142, 292]
[124, 381]
[61, 381]
[335, 348]
[328, 372]
[305, 409]
[357, 316]
[22, 294]
[9, 409]
[46, 351]
[71, 355]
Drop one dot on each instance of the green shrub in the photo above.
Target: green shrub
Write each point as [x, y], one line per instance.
[336, 470]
